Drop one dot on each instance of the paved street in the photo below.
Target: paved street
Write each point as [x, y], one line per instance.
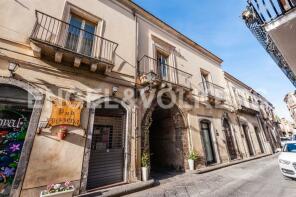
[252, 179]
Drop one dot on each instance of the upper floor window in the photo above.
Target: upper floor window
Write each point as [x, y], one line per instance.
[205, 78]
[162, 60]
[80, 35]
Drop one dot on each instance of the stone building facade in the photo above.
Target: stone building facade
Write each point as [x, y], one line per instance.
[140, 84]
[287, 128]
[290, 100]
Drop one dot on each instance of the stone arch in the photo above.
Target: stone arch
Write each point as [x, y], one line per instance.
[180, 126]
[31, 131]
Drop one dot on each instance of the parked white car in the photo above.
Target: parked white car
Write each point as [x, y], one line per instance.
[287, 159]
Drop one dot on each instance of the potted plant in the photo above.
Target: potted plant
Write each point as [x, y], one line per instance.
[62, 133]
[191, 158]
[58, 190]
[145, 160]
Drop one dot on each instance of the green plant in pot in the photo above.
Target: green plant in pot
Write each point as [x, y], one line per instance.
[145, 161]
[193, 156]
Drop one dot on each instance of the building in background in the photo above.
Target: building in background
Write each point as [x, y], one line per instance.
[255, 114]
[287, 128]
[290, 100]
[273, 23]
[85, 70]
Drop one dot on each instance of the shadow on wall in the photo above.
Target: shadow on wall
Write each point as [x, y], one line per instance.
[74, 136]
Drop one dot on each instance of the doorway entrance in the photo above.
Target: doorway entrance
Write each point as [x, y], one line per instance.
[207, 142]
[259, 139]
[248, 140]
[106, 163]
[15, 114]
[229, 140]
[167, 140]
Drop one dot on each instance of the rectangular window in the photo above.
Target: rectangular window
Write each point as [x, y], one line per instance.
[80, 35]
[162, 60]
[102, 137]
[205, 81]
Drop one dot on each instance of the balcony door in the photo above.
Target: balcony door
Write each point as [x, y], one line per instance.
[80, 35]
[162, 61]
[205, 82]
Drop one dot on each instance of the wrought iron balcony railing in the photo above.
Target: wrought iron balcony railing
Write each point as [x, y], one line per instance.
[246, 104]
[212, 90]
[269, 10]
[255, 22]
[57, 33]
[150, 69]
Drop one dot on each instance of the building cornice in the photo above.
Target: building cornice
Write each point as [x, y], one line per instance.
[234, 79]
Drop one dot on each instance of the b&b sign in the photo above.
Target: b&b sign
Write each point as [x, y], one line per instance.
[65, 113]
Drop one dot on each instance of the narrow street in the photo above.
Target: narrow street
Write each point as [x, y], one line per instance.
[252, 179]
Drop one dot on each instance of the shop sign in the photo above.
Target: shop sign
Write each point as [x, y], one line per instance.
[65, 112]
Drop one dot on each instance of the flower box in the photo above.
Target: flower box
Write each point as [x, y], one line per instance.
[58, 190]
[67, 193]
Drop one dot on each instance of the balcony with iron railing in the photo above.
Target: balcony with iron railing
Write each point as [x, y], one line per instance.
[212, 91]
[248, 106]
[151, 70]
[269, 10]
[54, 37]
[259, 16]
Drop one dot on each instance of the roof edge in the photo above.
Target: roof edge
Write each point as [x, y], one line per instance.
[226, 74]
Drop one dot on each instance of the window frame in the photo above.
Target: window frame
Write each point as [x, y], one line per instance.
[70, 10]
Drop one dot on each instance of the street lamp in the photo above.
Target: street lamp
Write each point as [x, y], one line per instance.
[12, 67]
[151, 76]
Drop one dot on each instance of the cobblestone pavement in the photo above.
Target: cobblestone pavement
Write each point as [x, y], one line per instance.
[257, 178]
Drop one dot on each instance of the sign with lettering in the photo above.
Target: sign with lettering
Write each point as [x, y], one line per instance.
[65, 112]
[13, 129]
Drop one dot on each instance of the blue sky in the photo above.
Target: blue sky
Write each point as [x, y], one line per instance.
[217, 26]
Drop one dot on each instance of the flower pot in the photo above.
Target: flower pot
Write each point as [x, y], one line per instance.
[145, 173]
[191, 164]
[68, 193]
[62, 134]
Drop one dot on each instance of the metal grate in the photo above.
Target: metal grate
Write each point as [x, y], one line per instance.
[106, 165]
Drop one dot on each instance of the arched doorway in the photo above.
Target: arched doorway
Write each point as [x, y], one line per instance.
[16, 106]
[229, 139]
[107, 160]
[207, 141]
[164, 136]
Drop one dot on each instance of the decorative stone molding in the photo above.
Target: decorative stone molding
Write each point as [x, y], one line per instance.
[33, 126]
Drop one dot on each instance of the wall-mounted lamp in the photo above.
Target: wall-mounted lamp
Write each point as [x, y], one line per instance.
[12, 67]
[114, 90]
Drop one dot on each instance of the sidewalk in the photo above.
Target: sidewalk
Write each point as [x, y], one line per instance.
[224, 165]
[139, 186]
[121, 190]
